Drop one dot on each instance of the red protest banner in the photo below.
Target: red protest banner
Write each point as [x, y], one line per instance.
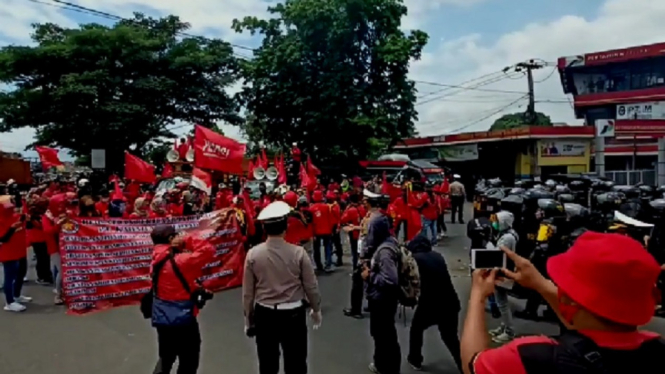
[106, 262]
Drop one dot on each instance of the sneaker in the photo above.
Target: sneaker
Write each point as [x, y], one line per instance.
[26, 280]
[58, 300]
[414, 366]
[353, 314]
[503, 338]
[23, 299]
[329, 269]
[497, 331]
[14, 307]
[373, 368]
[43, 282]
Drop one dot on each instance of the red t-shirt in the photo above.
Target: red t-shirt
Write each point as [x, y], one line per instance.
[506, 359]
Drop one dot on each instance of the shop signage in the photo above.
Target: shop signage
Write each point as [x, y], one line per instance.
[465, 152]
[562, 148]
[648, 110]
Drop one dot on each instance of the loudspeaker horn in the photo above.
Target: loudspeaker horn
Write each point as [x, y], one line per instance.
[190, 155]
[259, 173]
[272, 173]
[172, 156]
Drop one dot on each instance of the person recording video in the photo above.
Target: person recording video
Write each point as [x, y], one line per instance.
[177, 297]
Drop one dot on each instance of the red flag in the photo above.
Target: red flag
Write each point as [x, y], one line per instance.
[304, 177]
[217, 152]
[281, 179]
[167, 171]
[201, 180]
[311, 169]
[138, 170]
[48, 157]
[263, 159]
[250, 170]
[117, 191]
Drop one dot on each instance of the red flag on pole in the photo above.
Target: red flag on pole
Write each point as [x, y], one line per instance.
[48, 157]
[139, 170]
[167, 171]
[311, 169]
[217, 152]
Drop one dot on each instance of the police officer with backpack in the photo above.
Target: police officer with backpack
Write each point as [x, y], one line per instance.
[602, 290]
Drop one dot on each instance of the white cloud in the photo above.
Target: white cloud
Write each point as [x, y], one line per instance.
[618, 24]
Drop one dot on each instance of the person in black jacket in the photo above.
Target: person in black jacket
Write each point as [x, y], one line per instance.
[438, 303]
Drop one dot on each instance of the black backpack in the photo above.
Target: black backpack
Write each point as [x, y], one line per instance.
[577, 354]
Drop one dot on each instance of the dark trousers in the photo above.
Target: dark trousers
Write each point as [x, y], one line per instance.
[178, 342]
[337, 244]
[441, 224]
[285, 329]
[447, 325]
[326, 243]
[357, 290]
[14, 272]
[354, 250]
[43, 265]
[387, 353]
[457, 208]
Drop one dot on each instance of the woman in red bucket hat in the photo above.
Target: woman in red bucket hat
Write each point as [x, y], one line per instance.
[602, 289]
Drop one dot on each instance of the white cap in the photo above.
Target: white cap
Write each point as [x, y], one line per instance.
[11, 181]
[274, 210]
[456, 176]
[83, 182]
[370, 195]
[295, 144]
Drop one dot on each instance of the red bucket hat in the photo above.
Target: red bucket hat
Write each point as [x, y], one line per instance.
[610, 275]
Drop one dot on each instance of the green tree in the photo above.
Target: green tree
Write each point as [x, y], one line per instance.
[332, 76]
[118, 87]
[514, 120]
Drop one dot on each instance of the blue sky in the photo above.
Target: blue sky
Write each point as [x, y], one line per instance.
[468, 39]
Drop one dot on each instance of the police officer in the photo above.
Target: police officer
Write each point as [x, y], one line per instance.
[366, 247]
[278, 286]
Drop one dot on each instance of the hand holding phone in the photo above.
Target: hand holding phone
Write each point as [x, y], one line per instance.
[488, 259]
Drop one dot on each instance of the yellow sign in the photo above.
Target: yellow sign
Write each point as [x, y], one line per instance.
[545, 231]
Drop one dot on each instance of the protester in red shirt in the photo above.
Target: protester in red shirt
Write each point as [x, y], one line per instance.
[441, 210]
[141, 209]
[602, 290]
[102, 205]
[158, 208]
[323, 221]
[13, 254]
[427, 205]
[174, 313]
[331, 198]
[351, 220]
[52, 222]
[36, 208]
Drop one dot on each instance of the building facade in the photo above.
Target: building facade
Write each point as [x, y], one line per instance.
[517, 153]
[622, 93]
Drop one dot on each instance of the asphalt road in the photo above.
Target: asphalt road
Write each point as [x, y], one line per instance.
[44, 340]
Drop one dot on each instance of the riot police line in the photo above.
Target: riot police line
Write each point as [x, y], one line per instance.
[550, 215]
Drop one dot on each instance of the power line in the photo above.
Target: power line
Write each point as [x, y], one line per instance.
[98, 13]
[461, 84]
[548, 76]
[494, 112]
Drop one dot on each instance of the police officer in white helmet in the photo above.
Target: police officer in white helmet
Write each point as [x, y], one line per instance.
[278, 286]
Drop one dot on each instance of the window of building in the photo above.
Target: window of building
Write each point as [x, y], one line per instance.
[623, 76]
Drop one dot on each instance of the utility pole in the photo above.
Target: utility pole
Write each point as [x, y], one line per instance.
[528, 67]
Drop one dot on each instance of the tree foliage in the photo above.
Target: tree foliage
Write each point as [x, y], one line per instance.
[514, 120]
[332, 76]
[118, 87]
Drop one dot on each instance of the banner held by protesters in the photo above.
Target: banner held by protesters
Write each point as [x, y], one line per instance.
[106, 262]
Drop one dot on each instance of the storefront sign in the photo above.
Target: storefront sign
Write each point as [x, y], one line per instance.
[648, 110]
[466, 152]
[562, 148]
[640, 128]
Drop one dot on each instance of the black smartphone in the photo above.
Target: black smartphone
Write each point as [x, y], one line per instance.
[488, 259]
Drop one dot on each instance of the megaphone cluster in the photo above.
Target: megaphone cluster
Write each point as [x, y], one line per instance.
[270, 173]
